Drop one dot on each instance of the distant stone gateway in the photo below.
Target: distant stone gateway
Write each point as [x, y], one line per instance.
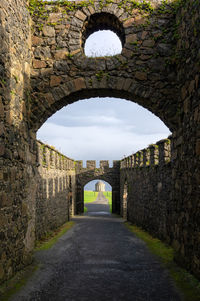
[99, 186]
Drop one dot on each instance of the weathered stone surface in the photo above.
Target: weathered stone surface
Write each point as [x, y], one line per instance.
[37, 64]
[80, 15]
[131, 38]
[55, 80]
[141, 75]
[36, 41]
[129, 22]
[54, 17]
[79, 83]
[1, 108]
[198, 147]
[49, 31]
[61, 54]
[148, 43]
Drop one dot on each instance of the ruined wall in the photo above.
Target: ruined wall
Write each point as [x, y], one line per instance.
[17, 146]
[147, 177]
[55, 189]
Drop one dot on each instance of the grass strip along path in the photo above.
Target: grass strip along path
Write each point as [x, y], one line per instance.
[187, 283]
[13, 285]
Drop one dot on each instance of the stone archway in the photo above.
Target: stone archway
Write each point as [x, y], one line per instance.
[109, 174]
[62, 74]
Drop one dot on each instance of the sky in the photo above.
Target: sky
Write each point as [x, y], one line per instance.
[102, 128]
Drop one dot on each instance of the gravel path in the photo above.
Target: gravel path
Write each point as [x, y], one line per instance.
[98, 260]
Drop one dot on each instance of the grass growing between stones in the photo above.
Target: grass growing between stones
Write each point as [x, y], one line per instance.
[90, 196]
[108, 195]
[51, 238]
[188, 285]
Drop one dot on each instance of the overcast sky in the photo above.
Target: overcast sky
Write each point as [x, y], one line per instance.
[102, 128]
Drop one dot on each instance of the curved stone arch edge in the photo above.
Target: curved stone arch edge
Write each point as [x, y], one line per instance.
[83, 93]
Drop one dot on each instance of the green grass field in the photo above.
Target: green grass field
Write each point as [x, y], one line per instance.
[89, 196]
[108, 195]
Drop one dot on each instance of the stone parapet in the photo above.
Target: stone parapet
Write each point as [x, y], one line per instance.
[50, 158]
[155, 154]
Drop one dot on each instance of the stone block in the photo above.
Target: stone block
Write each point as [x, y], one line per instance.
[79, 84]
[127, 84]
[129, 22]
[148, 43]
[1, 108]
[104, 164]
[91, 164]
[61, 54]
[36, 41]
[131, 38]
[127, 53]
[91, 9]
[2, 149]
[48, 31]
[140, 75]
[55, 80]
[54, 17]
[139, 20]
[49, 97]
[2, 273]
[198, 147]
[81, 16]
[37, 64]
[144, 34]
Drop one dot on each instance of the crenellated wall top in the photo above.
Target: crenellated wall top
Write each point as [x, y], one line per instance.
[156, 154]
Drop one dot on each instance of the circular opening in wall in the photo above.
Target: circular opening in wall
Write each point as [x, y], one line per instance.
[103, 35]
[103, 43]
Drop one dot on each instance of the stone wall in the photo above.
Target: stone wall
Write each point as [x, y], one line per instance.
[55, 197]
[186, 155]
[146, 189]
[17, 144]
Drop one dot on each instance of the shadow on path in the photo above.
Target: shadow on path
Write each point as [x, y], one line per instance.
[98, 260]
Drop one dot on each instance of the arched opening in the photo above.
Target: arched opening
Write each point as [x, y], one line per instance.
[102, 128]
[102, 43]
[103, 21]
[97, 198]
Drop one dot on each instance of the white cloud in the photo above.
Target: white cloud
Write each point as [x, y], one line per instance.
[102, 43]
[95, 142]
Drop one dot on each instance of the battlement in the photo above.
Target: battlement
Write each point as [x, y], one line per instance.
[159, 153]
[91, 164]
[49, 157]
